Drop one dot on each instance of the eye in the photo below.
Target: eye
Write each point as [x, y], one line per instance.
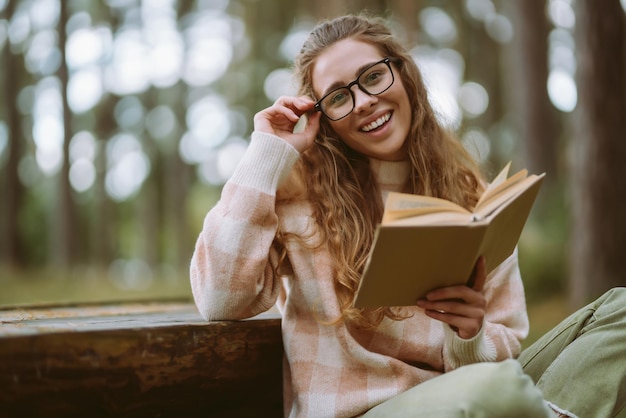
[337, 98]
[373, 77]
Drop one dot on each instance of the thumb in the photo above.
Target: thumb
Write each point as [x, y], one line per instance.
[313, 124]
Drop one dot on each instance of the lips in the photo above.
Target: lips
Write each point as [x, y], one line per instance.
[377, 123]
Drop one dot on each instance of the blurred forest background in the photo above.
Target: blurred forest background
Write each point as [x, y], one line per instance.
[120, 120]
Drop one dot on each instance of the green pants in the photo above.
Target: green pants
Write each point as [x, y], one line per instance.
[579, 366]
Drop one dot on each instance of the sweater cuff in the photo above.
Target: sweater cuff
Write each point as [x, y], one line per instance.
[266, 163]
[478, 349]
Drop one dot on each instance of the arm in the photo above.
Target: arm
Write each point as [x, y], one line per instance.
[232, 275]
[231, 271]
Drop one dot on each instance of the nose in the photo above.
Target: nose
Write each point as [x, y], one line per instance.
[362, 100]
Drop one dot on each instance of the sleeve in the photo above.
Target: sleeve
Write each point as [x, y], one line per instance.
[505, 324]
[231, 270]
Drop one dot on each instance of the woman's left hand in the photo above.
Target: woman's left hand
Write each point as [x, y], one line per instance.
[462, 307]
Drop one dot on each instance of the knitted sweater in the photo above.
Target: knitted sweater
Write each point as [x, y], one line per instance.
[330, 370]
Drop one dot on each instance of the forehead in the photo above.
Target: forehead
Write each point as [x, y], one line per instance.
[339, 63]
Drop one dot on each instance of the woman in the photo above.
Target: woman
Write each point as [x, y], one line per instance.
[295, 224]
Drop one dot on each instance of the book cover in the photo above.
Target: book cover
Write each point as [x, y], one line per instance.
[425, 243]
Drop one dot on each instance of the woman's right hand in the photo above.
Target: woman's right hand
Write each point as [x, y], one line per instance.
[280, 119]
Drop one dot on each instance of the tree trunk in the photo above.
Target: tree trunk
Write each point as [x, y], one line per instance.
[13, 196]
[537, 116]
[599, 189]
[65, 232]
[405, 12]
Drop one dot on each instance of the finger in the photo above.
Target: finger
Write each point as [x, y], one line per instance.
[464, 327]
[299, 105]
[454, 308]
[458, 293]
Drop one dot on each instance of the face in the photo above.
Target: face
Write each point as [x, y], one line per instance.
[378, 125]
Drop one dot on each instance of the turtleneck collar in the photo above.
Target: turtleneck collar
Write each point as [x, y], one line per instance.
[391, 175]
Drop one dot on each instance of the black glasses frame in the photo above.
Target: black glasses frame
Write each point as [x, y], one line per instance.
[387, 61]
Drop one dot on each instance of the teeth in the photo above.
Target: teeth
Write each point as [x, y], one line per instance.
[378, 122]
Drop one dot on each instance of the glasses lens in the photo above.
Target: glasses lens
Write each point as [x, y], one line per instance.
[338, 103]
[376, 79]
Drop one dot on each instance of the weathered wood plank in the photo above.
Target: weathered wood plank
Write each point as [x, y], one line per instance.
[140, 361]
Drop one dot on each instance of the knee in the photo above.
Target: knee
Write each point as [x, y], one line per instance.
[613, 304]
[504, 390]
[505, 378]
[617, 293]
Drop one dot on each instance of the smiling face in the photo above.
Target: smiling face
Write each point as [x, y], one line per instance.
[378, 125]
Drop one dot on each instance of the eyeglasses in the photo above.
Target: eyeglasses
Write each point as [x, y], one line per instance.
[374, 80]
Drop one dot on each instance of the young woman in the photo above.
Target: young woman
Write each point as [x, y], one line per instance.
[296, 222]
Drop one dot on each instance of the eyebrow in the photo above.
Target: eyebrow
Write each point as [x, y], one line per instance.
[338, 84]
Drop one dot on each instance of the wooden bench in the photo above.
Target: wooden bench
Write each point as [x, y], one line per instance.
[137, 360]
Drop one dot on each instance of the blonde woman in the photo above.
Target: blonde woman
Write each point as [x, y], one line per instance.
[296, 222]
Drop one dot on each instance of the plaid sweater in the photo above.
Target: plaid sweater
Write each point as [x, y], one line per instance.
[330, 370]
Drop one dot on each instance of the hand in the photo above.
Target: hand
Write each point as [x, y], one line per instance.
[280, 119]
[462, 307]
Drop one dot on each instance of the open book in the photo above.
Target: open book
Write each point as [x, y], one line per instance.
[425, 243]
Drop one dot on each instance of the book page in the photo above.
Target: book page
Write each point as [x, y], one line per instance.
[499, 179]
[496, 189]
[402, 205]
[401, 201]
[428, 217]
[506, 194]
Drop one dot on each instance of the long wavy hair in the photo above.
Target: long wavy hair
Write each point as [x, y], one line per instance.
[338, 182]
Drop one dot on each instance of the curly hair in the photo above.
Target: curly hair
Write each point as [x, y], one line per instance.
[338, 182]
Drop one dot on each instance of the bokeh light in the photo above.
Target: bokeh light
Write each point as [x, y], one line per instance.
[209, 126]
[42, 55]
[438, 25]
[19, 27]
[219, 165]
[443, 72]
[229, 156]
[127, 73]
[82, 174]
[47, 129]
[4, 141]
[161, 123]
[44, 14]
[562, 90]
[499, 28]
[477, 143]
[561, 13]
[127, 166]
[292, 43]
[82, 151]
[480, 9]
[473, 99]
[83, 146]
[278, 83]
[84, 90]
[129, 113]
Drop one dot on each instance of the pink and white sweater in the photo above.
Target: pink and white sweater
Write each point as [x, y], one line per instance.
[330, 370]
